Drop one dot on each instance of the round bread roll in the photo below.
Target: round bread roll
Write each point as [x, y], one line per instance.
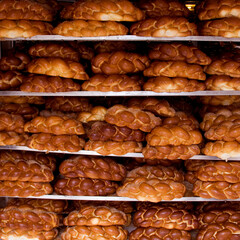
[10, 79]
[107, 10]
[222, 82]
[24, 28]
[81, 28]
[164, 27]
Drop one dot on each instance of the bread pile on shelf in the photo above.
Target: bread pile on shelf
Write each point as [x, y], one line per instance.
[221, 18]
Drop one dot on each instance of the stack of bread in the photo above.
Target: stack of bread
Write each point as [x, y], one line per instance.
[166, 221]
[31, 219]
[96, 222]
[164, 18]
[222, 18]
[94, 18]
[26, 18]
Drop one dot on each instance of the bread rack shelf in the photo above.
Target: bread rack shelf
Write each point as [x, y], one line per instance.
[124, 38]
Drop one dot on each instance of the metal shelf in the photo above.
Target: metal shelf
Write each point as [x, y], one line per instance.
[124, 38]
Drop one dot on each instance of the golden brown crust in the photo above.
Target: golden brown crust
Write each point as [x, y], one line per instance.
[220, 100]
[107, 10]
[23, 28]
[165, 84]
[81, 28]
[10, 79]
[92, 167]
[112, 147]
[94, 232]
[85, 51]
[96, 114]
[114, 83]
[132, 117]
[178, 52]
[85, 187]
[24, 189]
[13, 138]
[11, 122]
[209, 206]
[164, 27]
[58, 67]
[119, 62]
[22, 99]
[183, 152]
[178, 69]
[222, 82]
[153, 190]
[194, 165]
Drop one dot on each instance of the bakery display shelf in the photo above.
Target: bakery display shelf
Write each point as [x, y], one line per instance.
[93, 153]
[118, 94]
[124, 38]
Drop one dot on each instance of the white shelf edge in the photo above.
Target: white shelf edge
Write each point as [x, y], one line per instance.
[93, 153]
[123, 38]
[118, 94]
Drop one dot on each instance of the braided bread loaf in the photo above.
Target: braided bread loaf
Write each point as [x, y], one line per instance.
[44, 83]
[68, 104]
[57, 67]
[162, 162]
[194, 166]
[96, 114]
[225, 27]
[10, 122]
[220, 100]
[10, 79]
[111, 147]
[94, 232]
[22, 99]
[222, 82]
[175, 69]
[85, 187]
[13, 138]
[166, 217]
[159, 233]
[48, 113]
[81, 28]
[24, 189]
[218, 190]
[153, 190]
[107, 10]
[170, 152]
[119, 62]
[164, 27]
[27, 218]
[23, 28]
[92, 167]
[210, 206]
[85, 51]
[133, 118]
[50, 49]
[114, 83]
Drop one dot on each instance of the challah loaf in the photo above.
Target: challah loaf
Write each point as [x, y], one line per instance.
[220, 100]
[95, 114]
[10, 122]
[10, 79]
[22, 99]
[222, 82]
[13, 138]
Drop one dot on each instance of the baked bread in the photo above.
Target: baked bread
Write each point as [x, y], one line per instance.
[210, 206]
[48, 113]
[154, 105]
[159, 233]
[220, 100]
[178, 52]
[194, 165]
[119, 62]
[95, 232]
[166, 84]
[92, 167]
[68, 104]
[85, 187]
[81, 28]
[222, 82]
[26, 171]
[170, 152]
[132, 117]
[166, 217]
[221, 149]
[23, 28]
[164, 27]
[95, 215]
[102, 131]
[52, 49]
[27, 218]
[114, 83]
[55, 125]
[49, 205]
[162, 162]
[57, 67]
[17, 61]
[175, 69]
[24, 189]
[95, 114]
[112, 147]
[212, 9]
[7, 233]
[10, 122]
[107, 10]
[217, 190]
[13, 138]
[225, 27]
[50, 142]
[22, 99]
[153, 190]
[26, 9]
[85, 50]
[10, 79]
